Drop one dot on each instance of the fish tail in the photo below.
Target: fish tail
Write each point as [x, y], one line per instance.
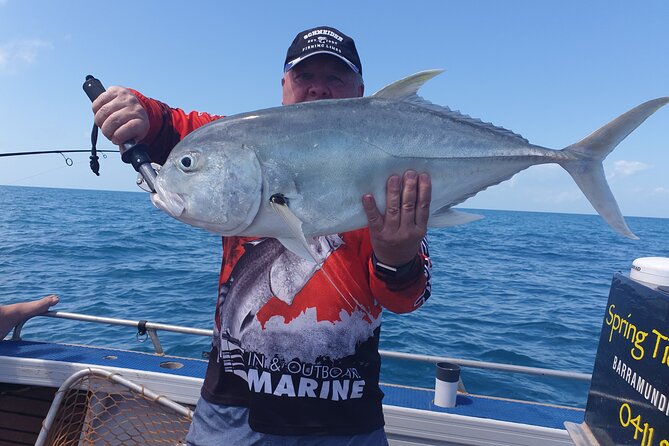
[584, 162]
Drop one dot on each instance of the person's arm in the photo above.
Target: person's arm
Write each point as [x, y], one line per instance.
[400, 265]
[168, 126]
[403, 289]
[125, 115]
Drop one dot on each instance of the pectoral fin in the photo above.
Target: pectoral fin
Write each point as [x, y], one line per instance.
[298, 244]
[297, 247]
[449, 217]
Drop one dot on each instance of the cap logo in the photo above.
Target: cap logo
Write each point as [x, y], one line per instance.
[321, 46]
[325, 32]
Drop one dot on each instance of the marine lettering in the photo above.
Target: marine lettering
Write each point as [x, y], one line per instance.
[358, 387]
[307, 369]
[259, 383]
[325, 389]
[256, 360]
[335, 389]
[340, 389]
[294, 367]
[307, 388]
[275, 365]
[285, 386]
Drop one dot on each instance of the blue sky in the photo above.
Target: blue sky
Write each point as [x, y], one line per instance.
[553, 71]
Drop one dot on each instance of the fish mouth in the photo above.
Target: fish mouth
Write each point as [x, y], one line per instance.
[174, 205]
[170, 202]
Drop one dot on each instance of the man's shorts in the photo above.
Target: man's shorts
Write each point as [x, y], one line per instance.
[216, 425]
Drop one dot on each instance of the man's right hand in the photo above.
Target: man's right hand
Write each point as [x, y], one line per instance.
[120, 116]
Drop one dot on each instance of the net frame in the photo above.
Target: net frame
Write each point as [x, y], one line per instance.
[99, 407]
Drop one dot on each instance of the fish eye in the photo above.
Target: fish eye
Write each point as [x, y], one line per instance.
[186, 163]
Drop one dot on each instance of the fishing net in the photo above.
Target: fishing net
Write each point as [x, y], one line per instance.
[96, 407]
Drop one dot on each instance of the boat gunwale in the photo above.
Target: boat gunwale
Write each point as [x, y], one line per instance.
[152, 328]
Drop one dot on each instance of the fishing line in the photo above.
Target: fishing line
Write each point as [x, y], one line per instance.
[14, 182]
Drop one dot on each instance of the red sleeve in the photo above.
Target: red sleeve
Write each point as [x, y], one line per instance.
[405, 296]
[168, 126]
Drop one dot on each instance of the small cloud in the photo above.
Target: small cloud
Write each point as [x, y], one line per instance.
[661, 191]
[15, 55]
[626, 168]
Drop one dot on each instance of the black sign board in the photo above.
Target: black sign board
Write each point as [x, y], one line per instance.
[628, 402]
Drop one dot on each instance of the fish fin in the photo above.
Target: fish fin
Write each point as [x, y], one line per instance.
[406, 88]
[450, 217]
[298, 244]
[298, 247]
[584, 162]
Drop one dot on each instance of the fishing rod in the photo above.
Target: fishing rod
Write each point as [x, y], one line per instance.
[95, 166]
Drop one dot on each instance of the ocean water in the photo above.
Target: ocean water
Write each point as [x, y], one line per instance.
[516, 287]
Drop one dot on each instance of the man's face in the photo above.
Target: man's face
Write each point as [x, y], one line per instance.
[320, 77]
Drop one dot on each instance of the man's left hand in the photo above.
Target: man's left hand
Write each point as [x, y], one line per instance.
[396, 235]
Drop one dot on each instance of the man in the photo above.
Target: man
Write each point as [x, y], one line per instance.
[295, 351]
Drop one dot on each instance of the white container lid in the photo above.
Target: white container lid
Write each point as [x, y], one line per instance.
[653, 271]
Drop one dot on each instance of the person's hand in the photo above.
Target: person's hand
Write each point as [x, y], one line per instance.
[397, 234]
[120, 116]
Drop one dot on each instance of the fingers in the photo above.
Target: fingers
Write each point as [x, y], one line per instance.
[423, 200]
[416, 193]
[120, 116]
[409, 193]
[374, 217]
[109, 102]
[393, 216]
[407, 202]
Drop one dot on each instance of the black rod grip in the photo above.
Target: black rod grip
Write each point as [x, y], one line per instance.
[93, 87]
[131, 153]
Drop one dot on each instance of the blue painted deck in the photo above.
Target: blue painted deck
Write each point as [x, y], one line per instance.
[485, 407]
[466, 405]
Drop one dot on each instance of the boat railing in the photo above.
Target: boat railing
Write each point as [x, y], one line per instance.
[144, 327]
[150, 329]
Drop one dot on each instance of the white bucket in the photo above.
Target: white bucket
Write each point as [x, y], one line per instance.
[446, 384]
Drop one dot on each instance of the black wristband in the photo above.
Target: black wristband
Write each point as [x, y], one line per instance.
[394, 273]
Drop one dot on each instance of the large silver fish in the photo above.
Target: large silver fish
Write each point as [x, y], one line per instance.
[323, 156]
